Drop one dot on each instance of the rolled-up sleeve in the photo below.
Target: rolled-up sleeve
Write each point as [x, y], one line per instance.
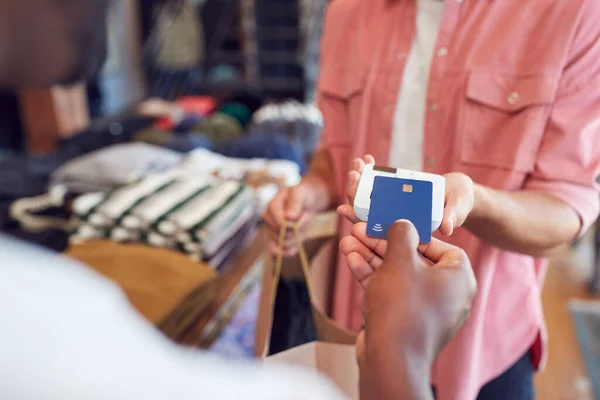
[568, 160]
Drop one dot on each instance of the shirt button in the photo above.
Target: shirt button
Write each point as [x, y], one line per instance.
[458, 1]
[387, 108]
[430, 160]
[513, 97]
[442, 52]
[433, 107]
[401, 56]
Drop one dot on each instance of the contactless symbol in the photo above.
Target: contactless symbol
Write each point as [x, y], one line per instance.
[378, 228]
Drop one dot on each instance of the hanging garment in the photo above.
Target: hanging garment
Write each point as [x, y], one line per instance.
[180, 38]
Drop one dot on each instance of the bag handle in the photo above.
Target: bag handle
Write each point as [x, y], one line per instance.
[327, 329]
[301, 253]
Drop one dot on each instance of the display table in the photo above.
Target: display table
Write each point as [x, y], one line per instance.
[206, 329]
[245, 270]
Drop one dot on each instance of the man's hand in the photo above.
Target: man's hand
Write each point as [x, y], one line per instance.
[416, 299]
[459, 197]
[296, 204]
[458, 203]
[314, 194]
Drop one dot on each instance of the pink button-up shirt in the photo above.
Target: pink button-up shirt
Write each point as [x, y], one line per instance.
[513, 102]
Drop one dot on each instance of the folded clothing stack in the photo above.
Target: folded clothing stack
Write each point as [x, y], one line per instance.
[273, 146]
[113, 167]
[197, 215]
[274, 174]
[300, 123]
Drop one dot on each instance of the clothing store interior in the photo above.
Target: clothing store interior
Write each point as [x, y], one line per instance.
[198, 203]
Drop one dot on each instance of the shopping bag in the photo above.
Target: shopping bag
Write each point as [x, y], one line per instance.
[335, 361]
[166, 287]
[315, 266]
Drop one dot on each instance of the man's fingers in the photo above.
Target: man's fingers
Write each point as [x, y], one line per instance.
[351, 244]
[352, 186]
[435, 250]
[285, 252]
[275, 214]
[449, 219]
[347, 211]
[360, 268]
[402, 243]
[379, 246]
[288, 239]
[295, 203]
[454, 258]
[358, 164]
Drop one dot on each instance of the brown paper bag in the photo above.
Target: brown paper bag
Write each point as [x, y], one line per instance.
[166, 287]
[316, 266]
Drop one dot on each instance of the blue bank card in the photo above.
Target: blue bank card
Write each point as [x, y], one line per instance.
[395, 198]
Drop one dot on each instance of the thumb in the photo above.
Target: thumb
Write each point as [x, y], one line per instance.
[402, 243]
[449, 218]
[296, 203]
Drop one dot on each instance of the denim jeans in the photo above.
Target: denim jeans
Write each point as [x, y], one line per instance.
[514, 384]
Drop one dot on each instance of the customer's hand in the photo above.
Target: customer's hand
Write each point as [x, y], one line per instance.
[459, 197]
[295, 204]
[416, 296]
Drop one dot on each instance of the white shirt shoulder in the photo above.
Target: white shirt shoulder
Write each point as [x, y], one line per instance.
[68, 333]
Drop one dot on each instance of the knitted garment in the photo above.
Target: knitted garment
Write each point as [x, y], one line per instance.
[113, 167]
[195, 215]
[221, 129]
[300, 123]
[284, 172]
[265, 177]
[153, 136]
[187, 123]
[273, 146]
[238, 111]
[188, 142]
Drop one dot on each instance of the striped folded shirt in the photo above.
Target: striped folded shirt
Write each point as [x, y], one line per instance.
[195, 215]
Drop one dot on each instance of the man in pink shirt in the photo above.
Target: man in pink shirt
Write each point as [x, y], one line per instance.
[508, 111]
[95, 345]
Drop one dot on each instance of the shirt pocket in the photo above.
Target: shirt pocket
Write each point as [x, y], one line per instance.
[503, 119]
[342, 89]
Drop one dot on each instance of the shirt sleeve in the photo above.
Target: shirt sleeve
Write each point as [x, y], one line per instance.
[568, 161]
